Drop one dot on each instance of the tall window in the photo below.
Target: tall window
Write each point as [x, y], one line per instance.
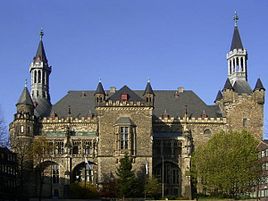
[55, 174]
[124, 131]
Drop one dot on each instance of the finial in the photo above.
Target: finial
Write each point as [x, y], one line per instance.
[25, 83]
[148, 81]
[99, 79]
[236, 18]
[41, 34]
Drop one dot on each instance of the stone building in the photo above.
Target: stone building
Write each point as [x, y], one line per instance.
[157, 128]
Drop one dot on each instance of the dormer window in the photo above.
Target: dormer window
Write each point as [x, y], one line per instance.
[124, 97]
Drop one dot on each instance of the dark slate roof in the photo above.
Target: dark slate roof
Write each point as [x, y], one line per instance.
[236, 41]
[41, 54]
[42, 107]
[25, 97]
[169, 101]
[259, 85]
[132, 96]
[218, 97]
[242, 87]
[148, 89]
[227, 85]
[100, 89]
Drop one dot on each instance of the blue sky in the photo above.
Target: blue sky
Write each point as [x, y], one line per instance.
[174, 43]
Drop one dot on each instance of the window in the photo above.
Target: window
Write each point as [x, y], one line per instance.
[55, 174]
[87, 148]
[59, 147]
[22, 129]
[262, 154]
[124, 97]
[124, 137]
[207, 132]
[245, 122]
[39, 76]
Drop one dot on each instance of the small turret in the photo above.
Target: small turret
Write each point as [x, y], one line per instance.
[25, 103]
[218, 97]
[149, 94]
[259, 92]
[227, 92]
[99, 94]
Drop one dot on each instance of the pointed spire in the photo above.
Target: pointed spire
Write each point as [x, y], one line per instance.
[148, 89]
[41, 54]
[218, 97]
[99, 89]
[25, 97]
[236, 41]
[259, 85]
[227, 85]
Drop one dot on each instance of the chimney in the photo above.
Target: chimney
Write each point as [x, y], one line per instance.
[112, 90]
[180, 89]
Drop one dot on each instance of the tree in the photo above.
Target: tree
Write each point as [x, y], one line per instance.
[152, 188]
[40, 151]
[227, 164]
[127, 182]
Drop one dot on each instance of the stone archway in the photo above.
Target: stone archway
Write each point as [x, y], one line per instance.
[84, 172]
[171, 179]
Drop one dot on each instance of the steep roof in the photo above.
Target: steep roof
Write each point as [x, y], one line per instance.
[227, 85]
[100, 89]
[236, 41]
[218, 97]
[40, 53]
[242, 87]
[148, 89]
[259, 85]
[25, 97]
[169, 101]
[42, 108]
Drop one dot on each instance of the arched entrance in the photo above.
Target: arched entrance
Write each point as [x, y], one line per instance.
[169, 175]
[48, 181]
[83, 172]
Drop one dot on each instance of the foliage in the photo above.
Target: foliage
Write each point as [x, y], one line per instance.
[152, 188]
[82, 190]
[109, 187]
[227, 164]
[127, 182]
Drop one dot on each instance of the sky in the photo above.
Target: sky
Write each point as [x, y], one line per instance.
[171, 42]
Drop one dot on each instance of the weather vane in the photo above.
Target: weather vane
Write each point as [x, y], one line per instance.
[41, 34]
[236, 18]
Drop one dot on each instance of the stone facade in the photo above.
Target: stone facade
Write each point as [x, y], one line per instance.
[90, 131]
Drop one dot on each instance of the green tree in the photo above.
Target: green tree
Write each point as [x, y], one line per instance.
[127, 182]
[152, 188]
[227, 164]
[40, 151]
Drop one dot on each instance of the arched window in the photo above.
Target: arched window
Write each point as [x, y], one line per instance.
[207, 131]
[242, 64]
[35, 76]
[39, 76]
[55, 174]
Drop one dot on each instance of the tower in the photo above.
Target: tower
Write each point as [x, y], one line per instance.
[40, 71]
[237, 57]
[99, 94]
[149, 94]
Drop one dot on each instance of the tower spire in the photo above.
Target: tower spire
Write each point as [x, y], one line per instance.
[40, 71]
[237, 56]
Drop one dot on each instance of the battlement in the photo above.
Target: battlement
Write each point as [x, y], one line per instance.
[217, 120]
[90, 119]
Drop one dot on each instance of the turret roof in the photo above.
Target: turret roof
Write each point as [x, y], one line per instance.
[148, 89]
[25, 97]
[99, 89]
[227, 85]
[218, 97]
[259, 85]
[236, 41]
